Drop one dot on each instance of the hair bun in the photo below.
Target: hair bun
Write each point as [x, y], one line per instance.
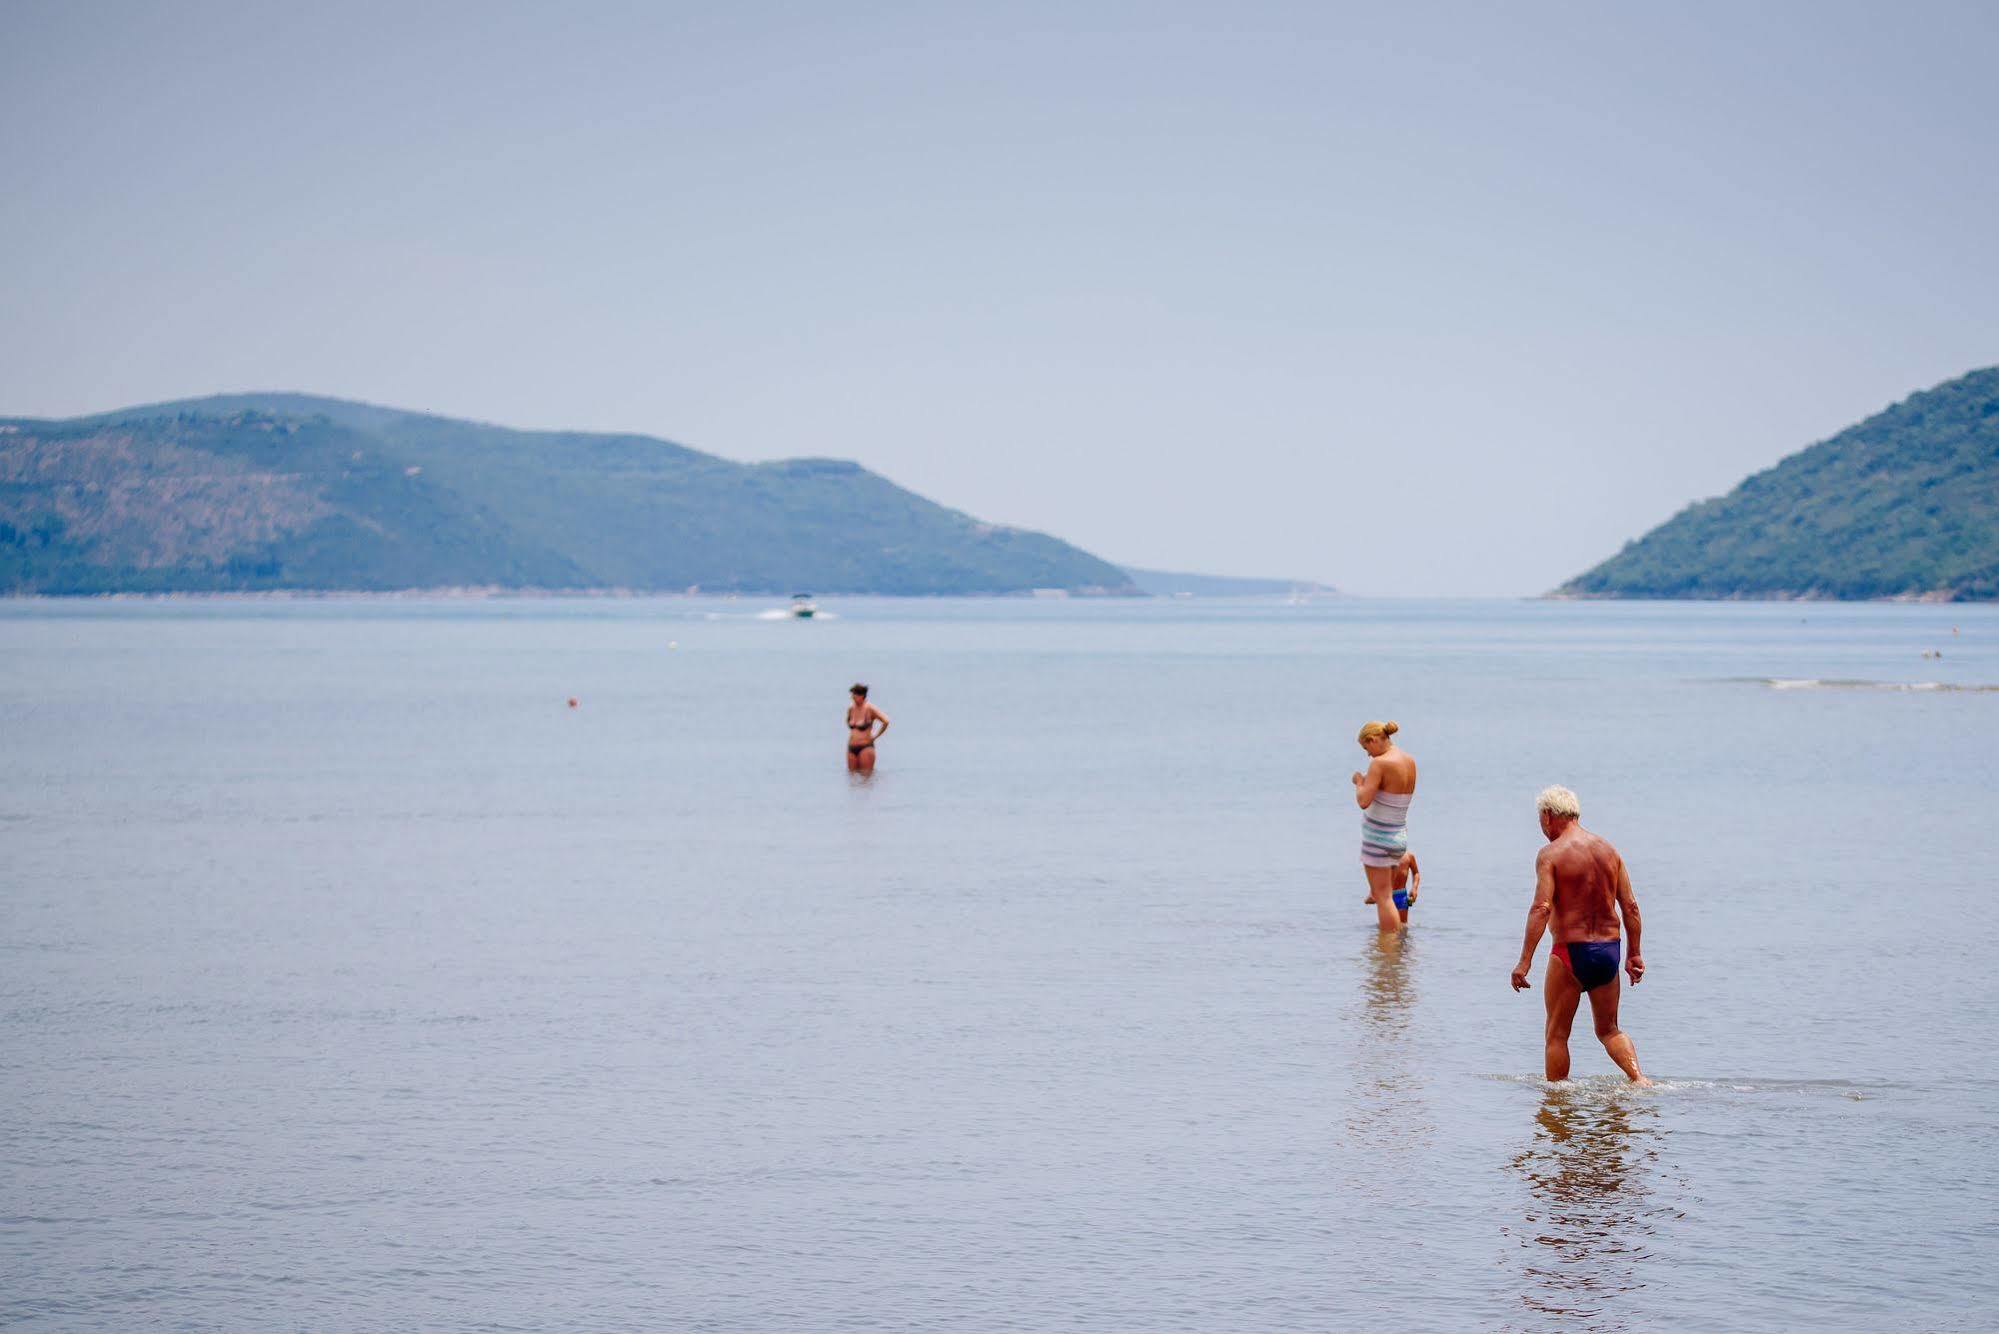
[1390, 729]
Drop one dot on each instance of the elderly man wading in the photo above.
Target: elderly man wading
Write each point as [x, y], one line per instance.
[1581, 885]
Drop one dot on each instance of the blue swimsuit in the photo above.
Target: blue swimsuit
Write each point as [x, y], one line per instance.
[1592, 962]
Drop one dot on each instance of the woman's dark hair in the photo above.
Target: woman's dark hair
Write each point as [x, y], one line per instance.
[859, 689]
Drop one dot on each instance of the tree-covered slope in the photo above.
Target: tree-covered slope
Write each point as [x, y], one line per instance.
[1905, 504]
[285, 491]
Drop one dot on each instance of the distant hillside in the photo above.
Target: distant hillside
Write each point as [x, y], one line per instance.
[1165, 583]
[1906, 504]
[286, 491]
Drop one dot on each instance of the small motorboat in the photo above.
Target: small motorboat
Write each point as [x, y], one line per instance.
[803, 607]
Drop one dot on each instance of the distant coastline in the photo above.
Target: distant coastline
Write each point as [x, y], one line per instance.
[1169, 583]
[489, 593]
[1936, 597]
[285, 492]
[496, 592]
[284, 495]
[1902, 507]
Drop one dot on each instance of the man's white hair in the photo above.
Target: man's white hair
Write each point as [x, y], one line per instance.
[1558, 800]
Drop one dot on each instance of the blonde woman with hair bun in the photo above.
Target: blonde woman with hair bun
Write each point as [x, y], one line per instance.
[1383, 794]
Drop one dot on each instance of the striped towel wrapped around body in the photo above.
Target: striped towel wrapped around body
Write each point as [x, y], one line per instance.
[1384, 829]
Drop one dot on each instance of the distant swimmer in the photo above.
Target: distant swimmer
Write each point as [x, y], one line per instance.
[862, 732]
[1383, 794]
[1581, 885]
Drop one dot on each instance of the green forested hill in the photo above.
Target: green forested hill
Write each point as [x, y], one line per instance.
[1905, 504]
[285, 491]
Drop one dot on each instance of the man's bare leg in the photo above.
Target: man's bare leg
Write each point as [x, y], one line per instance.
[1378, 878]
[1603, 1010]
[1562, 995]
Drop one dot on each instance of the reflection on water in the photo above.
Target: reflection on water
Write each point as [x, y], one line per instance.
[1388, 983]
[1389, 1109]
[1592, 1172]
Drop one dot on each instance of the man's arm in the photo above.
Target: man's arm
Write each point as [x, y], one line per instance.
[1627, 906]
[1538, 914]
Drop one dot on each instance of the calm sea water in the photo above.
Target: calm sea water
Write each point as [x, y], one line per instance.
[350, 979]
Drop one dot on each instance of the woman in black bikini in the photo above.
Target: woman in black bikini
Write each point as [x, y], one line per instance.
[862, 732]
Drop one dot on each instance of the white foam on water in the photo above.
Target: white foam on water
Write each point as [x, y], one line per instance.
[1817, 683]
[1596, 1087]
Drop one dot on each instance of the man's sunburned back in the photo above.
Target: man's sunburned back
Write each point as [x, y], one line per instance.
[1587, 871]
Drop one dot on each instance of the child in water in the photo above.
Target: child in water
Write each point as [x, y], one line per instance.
[1407, 881]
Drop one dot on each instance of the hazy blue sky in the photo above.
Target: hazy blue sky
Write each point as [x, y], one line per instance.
[1413, 299]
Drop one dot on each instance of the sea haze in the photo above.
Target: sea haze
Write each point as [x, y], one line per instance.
[352, 979]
